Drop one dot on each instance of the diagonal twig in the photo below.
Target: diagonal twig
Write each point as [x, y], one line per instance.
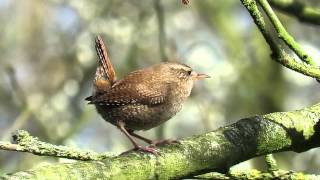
[278, 54]
[284, 35]
[299, 9]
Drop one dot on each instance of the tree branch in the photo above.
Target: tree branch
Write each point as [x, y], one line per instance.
[213, 151]
[298, 9]
[284, 35]
[161, 25]
[278, 53]
[258, 175]
[271, 163]
[27, 143]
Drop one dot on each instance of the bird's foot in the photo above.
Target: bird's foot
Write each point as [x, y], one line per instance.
[164, 141]
[147, 149]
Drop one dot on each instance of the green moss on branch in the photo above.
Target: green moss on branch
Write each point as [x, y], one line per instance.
[284, 35]
[298, 9]
[278, 53]
[212, 151]
[27, 143]
[258, 175]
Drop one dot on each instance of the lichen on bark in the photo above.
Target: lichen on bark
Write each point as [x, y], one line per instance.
[199, 154]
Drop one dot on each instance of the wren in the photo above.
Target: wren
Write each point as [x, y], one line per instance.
[143, 99]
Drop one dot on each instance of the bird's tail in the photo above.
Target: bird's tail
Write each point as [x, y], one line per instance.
[105, 75]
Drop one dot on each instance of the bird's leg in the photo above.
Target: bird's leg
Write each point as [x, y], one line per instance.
[136, 146]
[149, 141]
[155, 142]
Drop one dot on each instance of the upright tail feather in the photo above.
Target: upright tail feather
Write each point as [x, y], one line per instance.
[105, 75]
[104, 59]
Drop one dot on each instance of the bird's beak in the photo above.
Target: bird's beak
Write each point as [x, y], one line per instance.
[201, 76]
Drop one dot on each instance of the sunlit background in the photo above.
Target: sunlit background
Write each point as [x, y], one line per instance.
[48, 60]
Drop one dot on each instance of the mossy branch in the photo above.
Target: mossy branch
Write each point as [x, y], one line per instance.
[284, 35]
[299, 9]
[258, 175]
[213, 151]
[271, 163]
[278, 52]
[26, 143]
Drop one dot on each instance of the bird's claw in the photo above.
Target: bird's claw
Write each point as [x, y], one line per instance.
[147, 149]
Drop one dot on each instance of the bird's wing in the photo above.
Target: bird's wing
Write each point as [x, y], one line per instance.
[133, 89]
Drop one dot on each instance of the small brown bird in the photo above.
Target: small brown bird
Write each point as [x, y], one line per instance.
[144, 98]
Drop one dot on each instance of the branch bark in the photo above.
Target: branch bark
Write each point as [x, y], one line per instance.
[278, 54]
[26, 143]
[284, 35]
[213, 151]
[298, 9]
[258, 175]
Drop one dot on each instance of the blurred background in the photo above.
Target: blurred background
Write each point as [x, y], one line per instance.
[48, 60]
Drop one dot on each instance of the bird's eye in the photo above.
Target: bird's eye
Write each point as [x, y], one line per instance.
[189, 72]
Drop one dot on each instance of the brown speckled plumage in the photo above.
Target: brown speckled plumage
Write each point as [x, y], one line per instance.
[143, 99]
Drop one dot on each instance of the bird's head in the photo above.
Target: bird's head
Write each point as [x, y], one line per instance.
[182, 72]
[179, 77]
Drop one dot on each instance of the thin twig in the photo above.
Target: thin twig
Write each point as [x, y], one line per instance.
[18, 123]
[299, 9]
[278, 53]
[8, 146]
[271, 163]
[284, 35]
[161, 25]
[27, 143]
